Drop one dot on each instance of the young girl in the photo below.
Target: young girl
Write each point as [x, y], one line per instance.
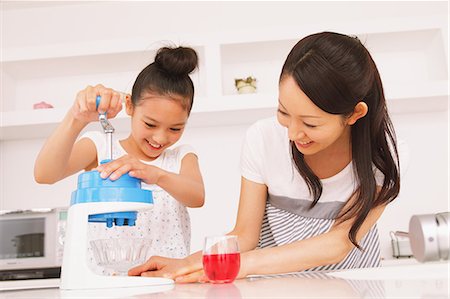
[315, 179]
[159, 107]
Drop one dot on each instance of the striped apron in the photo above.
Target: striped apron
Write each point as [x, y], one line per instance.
[287, 220]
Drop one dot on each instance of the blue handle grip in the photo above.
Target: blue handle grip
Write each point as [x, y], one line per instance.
[97, 103]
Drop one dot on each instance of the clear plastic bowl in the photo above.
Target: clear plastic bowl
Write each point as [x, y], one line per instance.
[120, 254]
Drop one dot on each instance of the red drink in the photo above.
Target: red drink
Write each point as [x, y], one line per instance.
[221, 268]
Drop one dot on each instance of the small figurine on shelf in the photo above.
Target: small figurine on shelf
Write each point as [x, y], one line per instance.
[247, 85]
[42, 105]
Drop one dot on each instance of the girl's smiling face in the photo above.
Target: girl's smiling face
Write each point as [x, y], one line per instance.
[309, 127]
[157, 122]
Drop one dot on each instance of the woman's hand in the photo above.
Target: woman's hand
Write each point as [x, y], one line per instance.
[149, 174]
[85, 108]
[180, 270]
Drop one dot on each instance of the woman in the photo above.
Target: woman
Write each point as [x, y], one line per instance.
[316, 179]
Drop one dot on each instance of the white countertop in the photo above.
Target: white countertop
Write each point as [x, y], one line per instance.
[430, 280]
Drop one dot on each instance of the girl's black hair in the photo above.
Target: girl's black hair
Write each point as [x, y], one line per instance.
[168, 75]
[336, 72]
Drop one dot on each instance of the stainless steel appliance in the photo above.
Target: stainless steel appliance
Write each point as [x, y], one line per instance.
[429, 236]
[31, 244]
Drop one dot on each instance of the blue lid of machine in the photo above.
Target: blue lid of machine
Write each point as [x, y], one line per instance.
[92, 188]
[92, 179]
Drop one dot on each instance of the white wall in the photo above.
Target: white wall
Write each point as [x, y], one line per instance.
[424, 189]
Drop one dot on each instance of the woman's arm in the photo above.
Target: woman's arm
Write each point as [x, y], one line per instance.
[252, 204]
[248, 226]
[328, 248]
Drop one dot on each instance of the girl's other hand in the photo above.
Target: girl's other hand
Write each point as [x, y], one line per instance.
[84, 109]
[149, 174]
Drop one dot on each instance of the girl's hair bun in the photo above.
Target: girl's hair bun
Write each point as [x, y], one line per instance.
[180, 61]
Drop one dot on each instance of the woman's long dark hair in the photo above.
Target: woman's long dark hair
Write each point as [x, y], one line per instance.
[336, 72]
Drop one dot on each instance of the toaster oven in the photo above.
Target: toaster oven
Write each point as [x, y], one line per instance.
[31, 244]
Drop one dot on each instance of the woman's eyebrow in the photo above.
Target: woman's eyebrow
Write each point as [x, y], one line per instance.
[309, 116]
[302, 115]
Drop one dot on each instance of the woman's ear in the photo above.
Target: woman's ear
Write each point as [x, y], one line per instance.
[360, 111]
[129, 106]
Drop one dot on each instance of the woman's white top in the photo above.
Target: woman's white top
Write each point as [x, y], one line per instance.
[166, 224]
[266, 159]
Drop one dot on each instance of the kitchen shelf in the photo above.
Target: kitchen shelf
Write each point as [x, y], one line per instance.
[412, 63]
[414, 56]
[262, 60]
[234, 110]
[57, 80]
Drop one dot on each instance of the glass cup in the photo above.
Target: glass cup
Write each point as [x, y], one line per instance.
[221, 258]
[118, 255]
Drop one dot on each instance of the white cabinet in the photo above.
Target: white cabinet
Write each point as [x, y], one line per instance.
[411, 59]
[412, 65]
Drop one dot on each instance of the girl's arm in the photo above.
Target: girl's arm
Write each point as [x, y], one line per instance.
[186, 187]
[61, 156]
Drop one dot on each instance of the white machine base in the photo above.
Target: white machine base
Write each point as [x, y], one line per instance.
[75, 272]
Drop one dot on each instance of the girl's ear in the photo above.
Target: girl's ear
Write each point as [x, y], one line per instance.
[360, 111]
[129, 106]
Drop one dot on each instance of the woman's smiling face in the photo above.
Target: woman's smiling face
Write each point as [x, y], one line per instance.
[309, 127]
[157, 123]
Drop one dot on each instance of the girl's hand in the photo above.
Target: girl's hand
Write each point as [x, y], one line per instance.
[178, 269]
[84, 109]
[149, 174]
